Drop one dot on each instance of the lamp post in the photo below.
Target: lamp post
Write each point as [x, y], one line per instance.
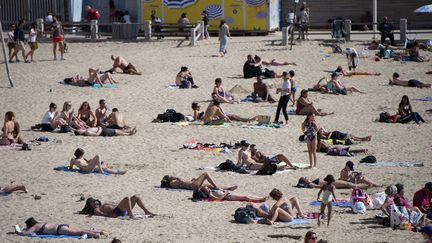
[375, 17]
[6, 59]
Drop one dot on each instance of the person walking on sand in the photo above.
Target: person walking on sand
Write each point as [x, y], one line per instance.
[32, 42]
[19, 39]
[284, 91]
[57, 37]
[224, 34]
[327, 198]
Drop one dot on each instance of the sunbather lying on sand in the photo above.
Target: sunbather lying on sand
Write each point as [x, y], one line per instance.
[214, 115]
[337, 135]
[343, 72]
[177, 183]
[94, 164]
[407, 83]
[218, 194]
[122, 209]
[33, 226]
[105, 132]
[12, 188]
[337, 150]
[94, 78]
[260, 157]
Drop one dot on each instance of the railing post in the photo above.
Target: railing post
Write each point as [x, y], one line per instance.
[94, 30]
[147, 30]
[193, 37]
[40, 27]
[285, 36]
[347, 25]
[403, 30]
[201, 30]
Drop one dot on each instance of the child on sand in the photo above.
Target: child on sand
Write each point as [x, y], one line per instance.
[293, 86]
[328, 197]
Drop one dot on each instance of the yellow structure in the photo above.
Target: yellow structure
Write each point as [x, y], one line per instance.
[240, 15]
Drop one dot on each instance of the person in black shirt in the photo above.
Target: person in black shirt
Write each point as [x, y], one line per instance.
[205, 19]
[386, 29]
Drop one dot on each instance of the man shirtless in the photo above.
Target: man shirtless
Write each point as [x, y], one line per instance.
[245, 158]
[116, 120]
[407, 83]
[102, 113]
[194, 184]
[260, 90]
[259, 157]
[94, 164]
[214, 114]
[105, 132]
[125, 66]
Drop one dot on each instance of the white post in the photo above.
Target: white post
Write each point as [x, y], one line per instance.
[193, 37]
[201, 30]
[5, 56]
[94, 30]
[147, 30]
[347, 24]
[375, 18]
[285, 36]
[403, 30]
[40, 27]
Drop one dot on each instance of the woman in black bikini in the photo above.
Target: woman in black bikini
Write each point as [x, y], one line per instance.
[86, 115]
[123, 209]
[33, 226]
[309, 126]
[406, 114]
[222, 96]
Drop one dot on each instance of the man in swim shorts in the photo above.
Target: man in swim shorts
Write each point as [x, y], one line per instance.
[105, 132]
[125, 66]
[407, 83]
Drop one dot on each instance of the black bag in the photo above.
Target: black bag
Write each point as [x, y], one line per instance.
[384, 117]
[269, 73]
[170, 115]
[244, 215]
[65, 129]
[198, 195]
[369, 159]
[184, 84]
[228, 165]
[268, 168]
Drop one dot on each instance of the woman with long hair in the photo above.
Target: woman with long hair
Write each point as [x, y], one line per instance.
[224, 34]
[406, 114]
[310, 128]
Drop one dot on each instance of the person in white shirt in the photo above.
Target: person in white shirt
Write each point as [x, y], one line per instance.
[51, 119]
[49, 18]
[32, 42]
[291, 19]
[11, 42]
[353, 58]
[127, 18]
[284, 91]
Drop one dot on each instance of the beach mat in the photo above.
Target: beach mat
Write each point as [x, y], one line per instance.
[429, 98]
[95, 86]
[261, 126]
[213, 200]
[186, 123]
[296, 221]
[339, 203]
[394, 164]
[53, 236]
[66, 169]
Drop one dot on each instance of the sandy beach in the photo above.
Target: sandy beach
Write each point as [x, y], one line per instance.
[154, 151]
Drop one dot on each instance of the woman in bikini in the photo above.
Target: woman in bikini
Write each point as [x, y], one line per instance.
[94, 164]
[258, 60]
[282, 210]
[343, 72]
[33, 226]
[341, 150]
[219, 194]
[194, 184]
[94, 78]
[86, 115]
[350, 175]
[222, 96]
[105, 132]
[122, 209]
[11, 132]
[406, 114]
[197, 115]
[310, 128]
[305, 106]
[67, 114]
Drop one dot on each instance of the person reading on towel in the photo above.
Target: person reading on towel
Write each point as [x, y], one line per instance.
[92, 165]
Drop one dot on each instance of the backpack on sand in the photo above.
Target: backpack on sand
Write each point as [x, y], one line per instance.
[244, 215]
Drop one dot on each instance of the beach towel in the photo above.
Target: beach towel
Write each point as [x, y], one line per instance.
[213, 200]
[199, 123]
[2, 194]
[261, 126]
[429, 98]
[394, 164]
[172, 86]
[66, 169]
[53, 236]
[14, 146]
[248, 99]
[96, 86]
[296, 221]
[298, 165]
[339, 203]
[291, 112]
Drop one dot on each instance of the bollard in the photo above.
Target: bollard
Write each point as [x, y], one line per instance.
[201, 30]
[403, 30]
[285, 36]
[147, 30]
[193, 37]
[40, 27]
[94, 30]
[347, 26]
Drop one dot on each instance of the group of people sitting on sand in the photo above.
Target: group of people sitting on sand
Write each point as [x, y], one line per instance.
[255, 67]
[96, 76]
[101, 122]
[410, 52]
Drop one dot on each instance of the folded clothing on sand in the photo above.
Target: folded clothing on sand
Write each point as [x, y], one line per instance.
[66, 169]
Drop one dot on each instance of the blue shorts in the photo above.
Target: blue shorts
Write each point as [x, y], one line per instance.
[120, 213]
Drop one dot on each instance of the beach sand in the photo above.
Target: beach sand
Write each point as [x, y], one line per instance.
[154, 151]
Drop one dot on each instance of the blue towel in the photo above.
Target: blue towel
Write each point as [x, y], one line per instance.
[248, 99]
[66, 169]
[425, 98]
[295, 221]
[5, 193]
[394, 164]
[97, 86]
[337, 204]
[53, 236]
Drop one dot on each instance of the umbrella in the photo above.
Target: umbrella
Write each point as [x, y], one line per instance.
[424, 9]
[178, 3]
